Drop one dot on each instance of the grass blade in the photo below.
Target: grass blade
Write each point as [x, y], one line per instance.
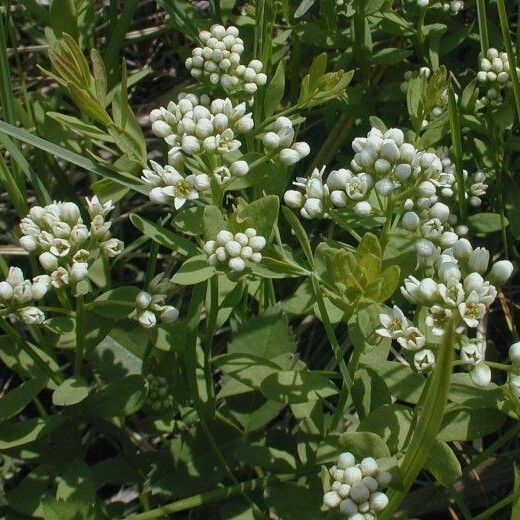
[482, 26]
[510, 53]
[74, 158]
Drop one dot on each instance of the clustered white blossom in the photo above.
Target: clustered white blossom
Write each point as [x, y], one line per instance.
[170, 186]
[65, 245]
[151, 304]
[158, 397]
[279, 139]
[197, 125]
[218, 60]
[493, 75]
[235, 249]
[356, 488]
[455, 291]
[454, 7]
[17, 296]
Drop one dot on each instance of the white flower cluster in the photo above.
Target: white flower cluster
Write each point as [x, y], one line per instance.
[279, 139]
[17, 296]
[475, 185]
[235, 249]
[514, 379]
[356, 489]
[65, 245]
[170, 186]
[152, 304]
[456, 291]
[219, 61]
[197, 125]
[454, 7]
[493, 75]
[158, 397]
[342, 189]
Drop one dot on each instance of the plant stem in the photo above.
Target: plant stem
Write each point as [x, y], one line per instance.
[497, 507]
[331, 336]
[80, 335]
[510, 53]
[482, 26]
[210, 497]
[434, 398]
[456, 140]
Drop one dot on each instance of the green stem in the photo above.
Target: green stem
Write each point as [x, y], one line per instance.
[502, 14]
[80, 335]
[434, 399]
[456, 140]
[331, 336]
[486, 515]
[482, 26]
[215, 495]
[420, 32]
[210, 332]
[17, 338]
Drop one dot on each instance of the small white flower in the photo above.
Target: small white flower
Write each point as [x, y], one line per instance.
[32, 315]
[394, 323]
[472, 310]
[424, 359]
[500, 272]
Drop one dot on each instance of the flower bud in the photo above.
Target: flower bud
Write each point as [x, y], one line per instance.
[363, 208]
[331, 499]
[359, 493]
[384, 187]
[29, 243]
[79, 271]
[32, 315]
[257, 243]
[293, 199]
[233, 248]
[169, 314]
[147, 319]
[480, 375]
[223, 237]
[369, 467]
[478, 260]
[424, 248]
[440, 211]
[303, 149]
[500, 272]
[48, 261]
[237, 264]
[239, 168]
[143, 300]
[289, 157]
[6, 291]
[514, 353]
[346, 460]
[312, 208]
[378, 501]
[352, 475]
[411, 220]
[348, 507]
[161, 128]
[462, 249]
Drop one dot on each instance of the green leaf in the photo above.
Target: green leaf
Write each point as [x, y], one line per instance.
[487, 222]
[212, 222]
[70, 392]
[364, 444]
[123, 396]
[300, 233]
[194, 270]
[121, 302]
[261, 214]
[24, 432]
[464, 424]
[63, 19]
[275, 90]
[164, 236]
[80, 126]
[369, 391]
[297, 386]
[304, 6]
[14, 401]
[266, 336]
[443, 464]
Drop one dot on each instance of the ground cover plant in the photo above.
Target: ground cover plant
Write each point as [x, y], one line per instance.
[258, 259]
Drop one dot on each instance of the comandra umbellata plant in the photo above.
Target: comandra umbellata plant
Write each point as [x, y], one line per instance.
[258, 259]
